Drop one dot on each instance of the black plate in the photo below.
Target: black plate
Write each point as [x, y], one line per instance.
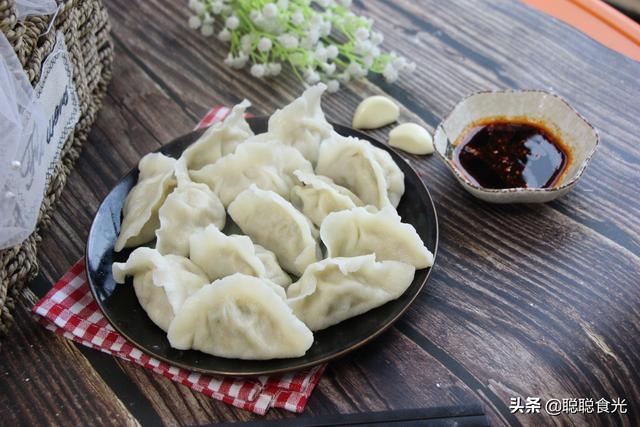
[120, 305]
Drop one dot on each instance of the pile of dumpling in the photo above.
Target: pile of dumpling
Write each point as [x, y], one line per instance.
[286, 191]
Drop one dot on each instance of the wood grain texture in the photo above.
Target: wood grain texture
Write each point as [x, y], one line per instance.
[45, 380]
[524, 300]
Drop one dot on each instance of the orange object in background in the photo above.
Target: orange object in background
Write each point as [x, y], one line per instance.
[598, 20]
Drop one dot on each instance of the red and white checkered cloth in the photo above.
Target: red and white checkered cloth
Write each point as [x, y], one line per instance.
[69, 310]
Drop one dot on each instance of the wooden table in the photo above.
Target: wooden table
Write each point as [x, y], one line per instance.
[540, 301]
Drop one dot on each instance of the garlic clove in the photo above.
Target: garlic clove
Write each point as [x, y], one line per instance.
[375, 112]
[411, 138]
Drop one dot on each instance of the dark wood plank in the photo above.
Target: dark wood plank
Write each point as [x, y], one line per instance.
[45, 380]
[524, 300]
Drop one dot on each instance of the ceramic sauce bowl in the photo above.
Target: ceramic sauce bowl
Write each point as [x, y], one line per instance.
[577, 135]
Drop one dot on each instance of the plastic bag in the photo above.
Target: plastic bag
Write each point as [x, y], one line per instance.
[26, 8]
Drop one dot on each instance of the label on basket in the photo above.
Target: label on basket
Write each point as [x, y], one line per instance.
[46, 123]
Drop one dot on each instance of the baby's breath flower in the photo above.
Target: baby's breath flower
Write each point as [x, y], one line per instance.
[233, 22]
[333, 86]
[376, 38]
[274, 68]
[390, 73]
[323, 40]
[270, 10]
[224, 35]
[362, 34]
[216, 7]
[207, 30]
[297, 18]
[264, 45]
[258, 70]
[194, 22]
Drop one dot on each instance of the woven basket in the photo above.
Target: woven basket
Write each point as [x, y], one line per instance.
[85, 26]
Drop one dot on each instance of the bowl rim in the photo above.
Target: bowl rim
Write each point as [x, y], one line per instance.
[562, 187]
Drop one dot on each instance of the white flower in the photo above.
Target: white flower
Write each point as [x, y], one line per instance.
[194, 22]
[332, 52]
[410, 67]
[356, 70]
[399, 63]
[264, 45]
[274, 68]
[207, 30]
[333, 86]
[344, 77]
[236, 62]
[321, 53]
[196, 6]
[233, 22]
[376, 37]
[216, 7]
[297, 18]
[224, 35]
[246, 42]
[329, 68]
[283, 4]
[256, 16]
[270, 10]
[208, 19]
[362, 34]
[311, 76]
[368, 61]
[390, 73]
[258, 70]
[288, 40]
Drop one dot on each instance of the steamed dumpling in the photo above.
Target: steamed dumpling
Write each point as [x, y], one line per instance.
[301, 124]
[269, 166]
[335, 289]
[239, 317]
[355, 164]
[140, 211]
[188, 209]
[360, 232]
[220, 255]
[162, 283]
[274, 223]
[217, 141]
[317, 196]
[273, 272]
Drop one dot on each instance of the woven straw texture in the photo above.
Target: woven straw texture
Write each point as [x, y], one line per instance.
[85, 26]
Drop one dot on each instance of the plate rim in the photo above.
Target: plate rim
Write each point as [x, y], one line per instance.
[333, 356]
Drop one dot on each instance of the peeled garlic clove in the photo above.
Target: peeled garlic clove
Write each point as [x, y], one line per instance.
[411, 138]
[375, 112]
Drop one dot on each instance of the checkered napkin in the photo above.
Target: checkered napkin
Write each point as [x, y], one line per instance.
[69, 310]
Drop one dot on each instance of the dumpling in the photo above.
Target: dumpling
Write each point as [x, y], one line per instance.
[269, 166]
[335, 289]
[140, 211]
[220, 255]
[274, 223]
[317, 196]
[162, 283]
[239, 317]
[217, 141]
[360, 232]
[273, 271]
[188, 209]
[354, 163]
[301, 124]
[392, 174]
